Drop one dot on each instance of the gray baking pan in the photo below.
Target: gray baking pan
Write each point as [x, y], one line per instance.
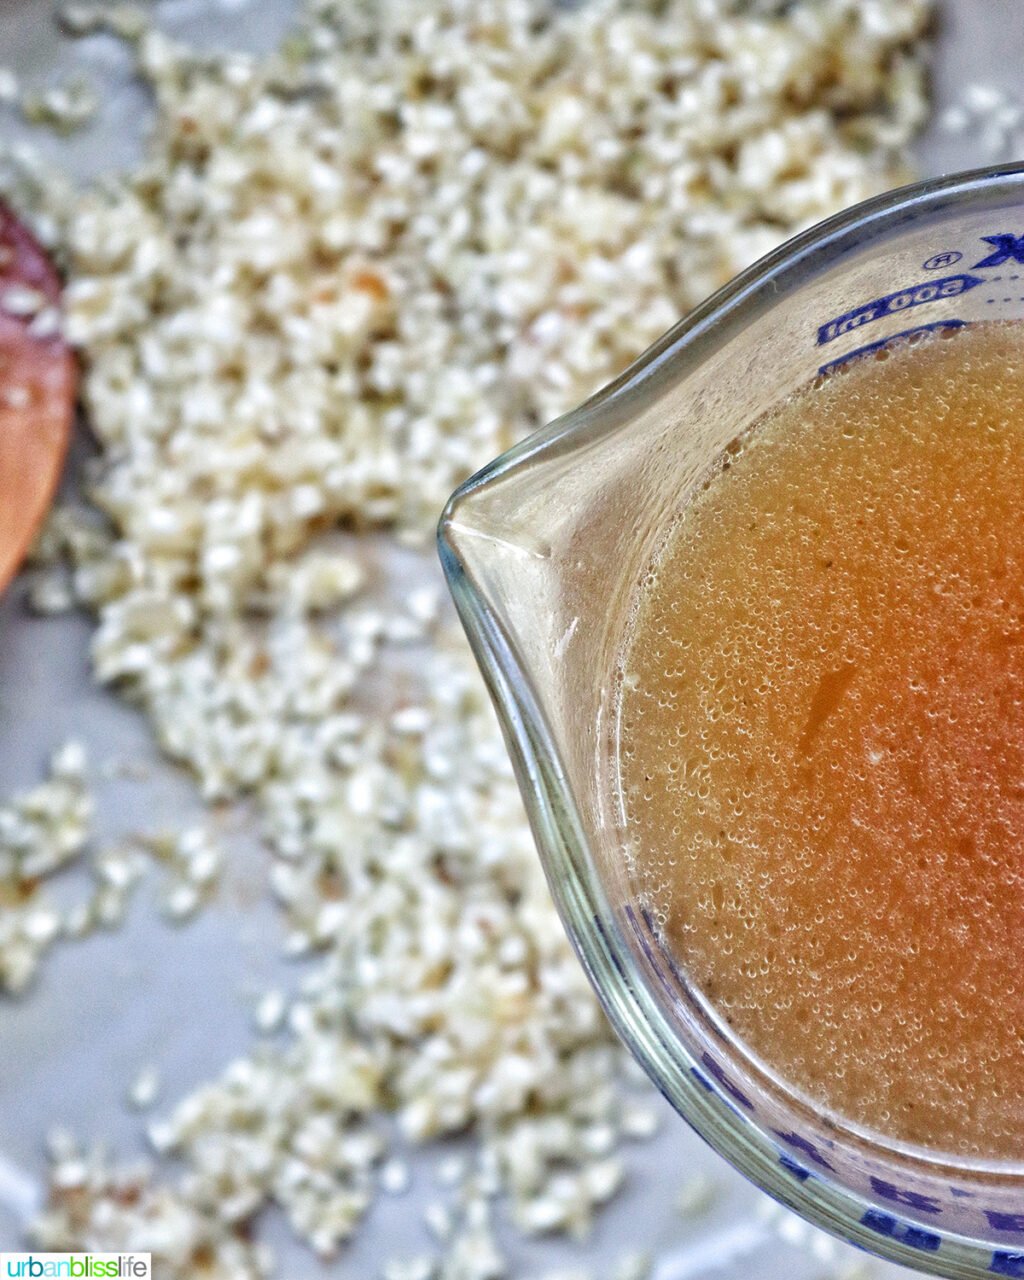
[183, 998]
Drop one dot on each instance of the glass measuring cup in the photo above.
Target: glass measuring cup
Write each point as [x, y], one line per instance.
[543, 550]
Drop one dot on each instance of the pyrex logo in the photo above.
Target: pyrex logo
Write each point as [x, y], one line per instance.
[1005, 248]
[76, 1266]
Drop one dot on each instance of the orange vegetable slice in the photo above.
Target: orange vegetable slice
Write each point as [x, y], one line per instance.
[38, 381]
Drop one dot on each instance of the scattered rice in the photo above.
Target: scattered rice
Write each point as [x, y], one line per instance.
[42, 831]
[418, 1268]
[990, 116]
[697, 1196]
[395, 1178]
[145, 1089]
[126, 20]
[10, 86]
[345, 277]
[65, 108]
[193, 860]
[633, 1266]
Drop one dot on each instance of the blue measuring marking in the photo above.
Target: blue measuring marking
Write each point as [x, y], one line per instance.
[709, 1087]
[914, 295]
[901, 1195]
[734, 1091]
[884, 342]
[800, 1143]
[1009, 1222]
[797, 1170]
[905, 1232]
[1007, 1264]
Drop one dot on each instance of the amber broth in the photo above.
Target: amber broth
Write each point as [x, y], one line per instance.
[821, 741]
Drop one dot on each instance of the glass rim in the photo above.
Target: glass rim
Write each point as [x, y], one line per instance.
[580, 897]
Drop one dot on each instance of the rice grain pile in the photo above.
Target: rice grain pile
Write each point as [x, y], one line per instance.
[346, 276]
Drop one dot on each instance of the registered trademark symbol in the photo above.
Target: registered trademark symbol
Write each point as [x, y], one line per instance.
[940, 260]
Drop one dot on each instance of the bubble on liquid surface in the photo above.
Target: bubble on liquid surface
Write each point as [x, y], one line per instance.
[824, 774]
